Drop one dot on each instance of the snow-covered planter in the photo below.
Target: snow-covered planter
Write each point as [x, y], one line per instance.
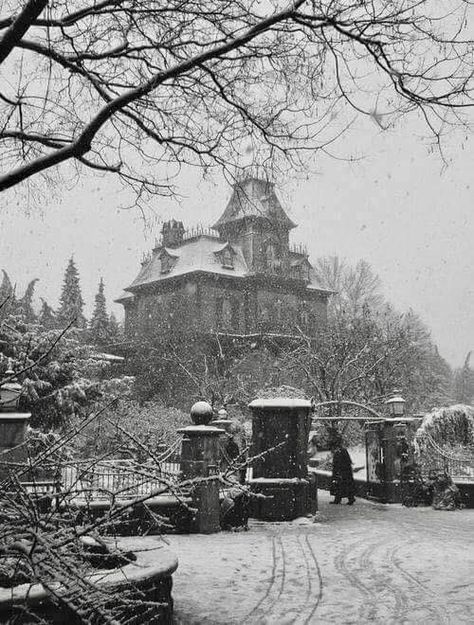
[146, 582]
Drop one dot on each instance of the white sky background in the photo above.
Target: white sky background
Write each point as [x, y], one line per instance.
[398, 207]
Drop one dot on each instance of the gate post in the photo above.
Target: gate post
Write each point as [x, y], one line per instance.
[388, 450]
[12, 425]
[199, 459]
[280, 432]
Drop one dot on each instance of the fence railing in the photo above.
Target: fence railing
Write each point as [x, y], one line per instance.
[458, 463]
[122, 479]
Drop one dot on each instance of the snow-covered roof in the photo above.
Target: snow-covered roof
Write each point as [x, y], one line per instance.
[202, 254]
[198, 254]
[280, 402]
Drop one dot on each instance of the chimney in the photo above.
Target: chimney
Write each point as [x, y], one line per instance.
[172, 233]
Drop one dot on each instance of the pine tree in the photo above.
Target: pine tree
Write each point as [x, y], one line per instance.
[71, 304]
[99, 324]
[114, 328]
[464, 382]
[26, 302]
[47, 316]
[7, 296]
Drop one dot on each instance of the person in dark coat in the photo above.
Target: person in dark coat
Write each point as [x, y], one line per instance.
[342, 484]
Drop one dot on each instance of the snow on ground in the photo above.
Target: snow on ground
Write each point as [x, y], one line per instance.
[369, 563]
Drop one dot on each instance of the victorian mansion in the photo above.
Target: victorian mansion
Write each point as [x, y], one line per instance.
[240, 278]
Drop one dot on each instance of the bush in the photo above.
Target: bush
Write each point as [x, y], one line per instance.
[127, 428]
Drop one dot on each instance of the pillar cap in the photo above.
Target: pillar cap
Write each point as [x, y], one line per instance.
[201, 430]
[284, 403]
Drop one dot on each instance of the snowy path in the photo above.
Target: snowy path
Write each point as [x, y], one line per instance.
[370, 563]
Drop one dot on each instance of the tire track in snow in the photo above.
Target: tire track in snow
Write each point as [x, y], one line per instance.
[274, 589]
[439, 613]
[341, 565]
[371, 560]
[312, 609]
[280, 597]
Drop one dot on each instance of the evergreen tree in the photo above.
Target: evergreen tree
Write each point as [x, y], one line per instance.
[7, 296]
[114, 328]
[464, 382]
[71, 304]
[99, 324]
[10, 304]
[25, 305]
[47, 316]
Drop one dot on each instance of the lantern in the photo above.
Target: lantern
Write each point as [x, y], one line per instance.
[10, 391]
[396, 405]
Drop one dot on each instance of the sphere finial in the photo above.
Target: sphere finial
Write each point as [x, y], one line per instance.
[201, 413]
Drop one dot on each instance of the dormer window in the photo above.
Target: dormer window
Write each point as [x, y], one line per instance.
[296, 272]
[167, 261]
[226, 257]
[301, 269]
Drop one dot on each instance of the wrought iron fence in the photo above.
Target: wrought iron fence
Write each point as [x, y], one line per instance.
[456, 462]
[122, 479]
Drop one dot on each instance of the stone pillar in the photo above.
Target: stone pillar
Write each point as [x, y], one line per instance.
[12, 426]
[200, 455]
[280, 433]
[223, 421]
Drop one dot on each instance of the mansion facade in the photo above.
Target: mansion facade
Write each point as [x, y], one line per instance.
[240, 278]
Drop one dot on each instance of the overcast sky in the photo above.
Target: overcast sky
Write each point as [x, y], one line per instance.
[399, 207]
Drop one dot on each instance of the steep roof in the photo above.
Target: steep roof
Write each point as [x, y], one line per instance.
[199, 254]
[254, 197]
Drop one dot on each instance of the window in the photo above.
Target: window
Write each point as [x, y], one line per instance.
[227, 314]
[304, 314]
[301, 271]
[219, 311]
[235, 314]
[227, 258]
[296, 272]
[279, 311]
[147, 315]
[167, 263]
[272, 257]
